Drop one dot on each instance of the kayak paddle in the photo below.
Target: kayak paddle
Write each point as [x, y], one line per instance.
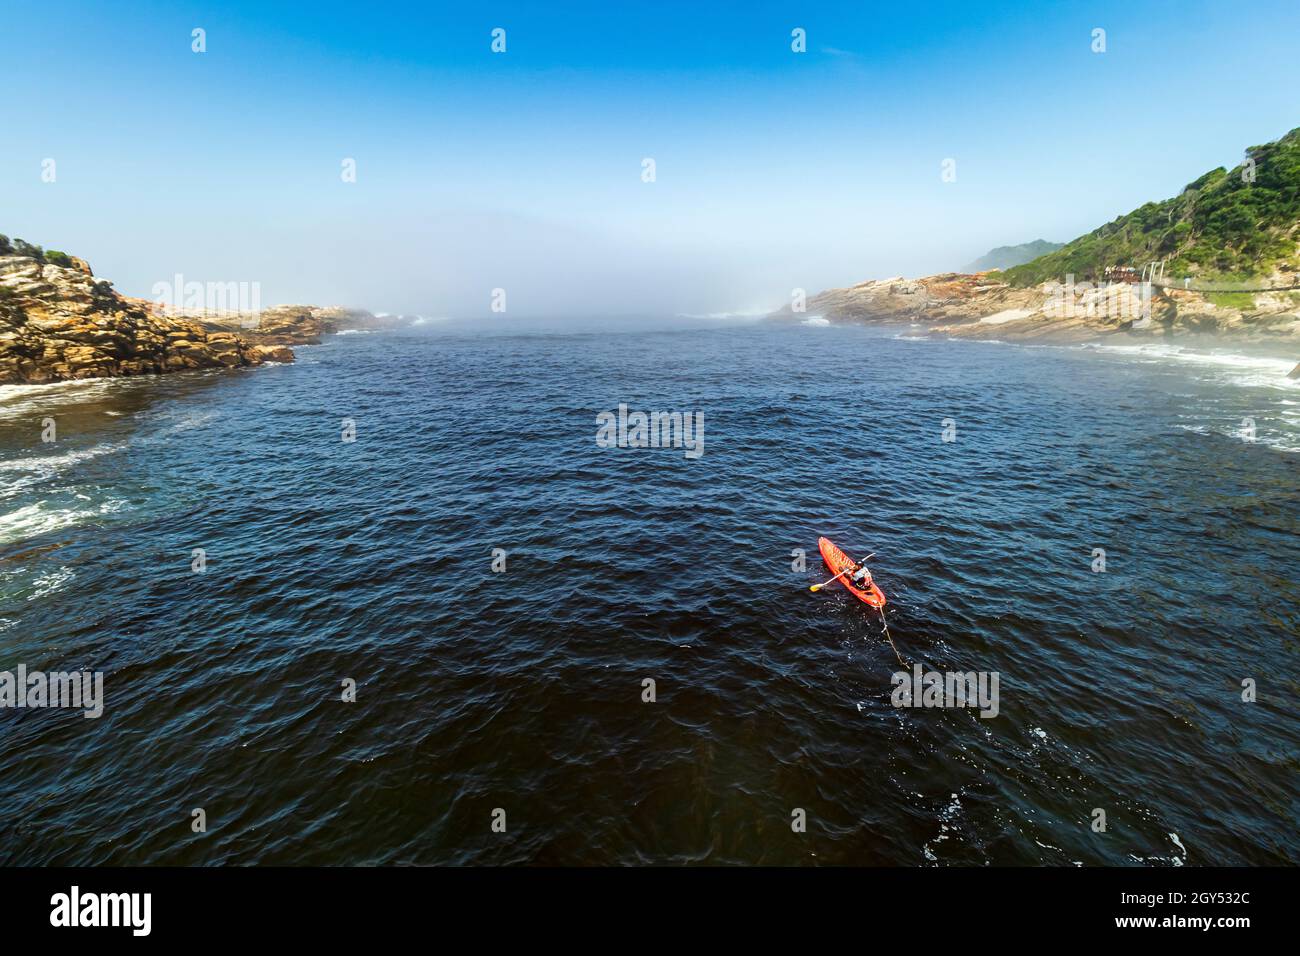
[818, 587]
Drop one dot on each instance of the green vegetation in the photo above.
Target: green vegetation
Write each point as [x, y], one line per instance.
[21, 248]
[1241, 301]
[1220, 224]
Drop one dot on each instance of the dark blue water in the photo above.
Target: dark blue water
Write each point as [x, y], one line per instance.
[522, 690]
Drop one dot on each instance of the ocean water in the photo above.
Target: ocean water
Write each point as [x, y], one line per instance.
[522, 690]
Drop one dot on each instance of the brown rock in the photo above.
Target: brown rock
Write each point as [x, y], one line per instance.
[60, 322]
[273, 353]
[83, 355]
[980, 307]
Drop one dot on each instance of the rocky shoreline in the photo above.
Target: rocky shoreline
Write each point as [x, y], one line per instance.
[287, 325]
[58, 322]
[979, 306]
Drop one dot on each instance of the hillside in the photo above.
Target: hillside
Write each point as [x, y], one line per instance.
[1221, 226]
[1240, 228]
[1004, 257]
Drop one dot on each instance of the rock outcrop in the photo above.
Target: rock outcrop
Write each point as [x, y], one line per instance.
[292, 324]
[950, 297]
[59, 322]
[982, 307]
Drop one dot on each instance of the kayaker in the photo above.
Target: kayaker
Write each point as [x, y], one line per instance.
[861, 576]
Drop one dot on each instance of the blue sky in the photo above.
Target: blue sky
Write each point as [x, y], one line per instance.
[522, 170]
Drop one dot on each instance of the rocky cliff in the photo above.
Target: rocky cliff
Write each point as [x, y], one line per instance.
[59, 322]
[982, 306]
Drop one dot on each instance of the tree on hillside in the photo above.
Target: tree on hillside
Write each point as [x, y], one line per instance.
[23, 248]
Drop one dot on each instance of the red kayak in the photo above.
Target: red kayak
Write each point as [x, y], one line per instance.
[838, 561]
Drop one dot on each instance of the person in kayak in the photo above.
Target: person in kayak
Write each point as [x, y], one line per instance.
[860, 576]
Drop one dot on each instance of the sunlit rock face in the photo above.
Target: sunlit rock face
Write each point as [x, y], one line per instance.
[59, 322]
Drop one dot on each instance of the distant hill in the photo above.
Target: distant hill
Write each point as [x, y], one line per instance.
[1004, 257]
[1237, 224]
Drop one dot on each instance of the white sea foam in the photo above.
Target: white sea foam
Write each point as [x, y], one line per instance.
[45, 466]
[1216, 366]
[33, 520]
[1179, 844]
[10, 392]
[27, 400]
[817, 321]
[1232, 367]
[48, 583]
[946, 816]
[1281, 441]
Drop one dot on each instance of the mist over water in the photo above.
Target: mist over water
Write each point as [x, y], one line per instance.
[372, 561]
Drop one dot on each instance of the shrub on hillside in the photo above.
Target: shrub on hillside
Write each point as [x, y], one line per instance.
[23, 248]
